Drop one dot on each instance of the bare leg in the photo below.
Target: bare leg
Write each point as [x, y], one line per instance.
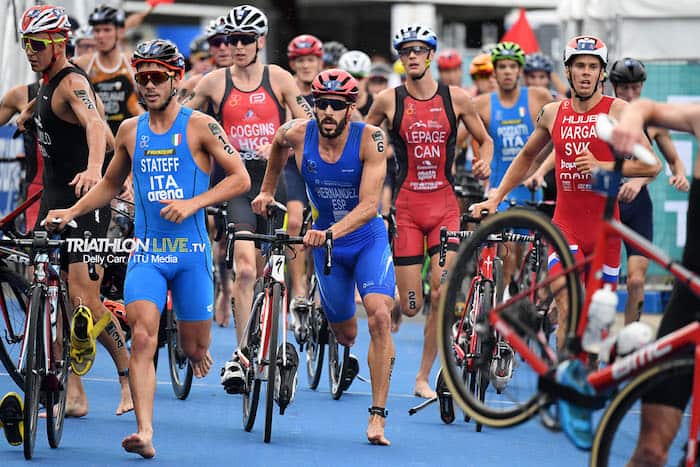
[82, 288]
[195, 337]
[297, 261]
[659, 426]
[637, 268]
[380, 357]
[244, 256]
[145, 319]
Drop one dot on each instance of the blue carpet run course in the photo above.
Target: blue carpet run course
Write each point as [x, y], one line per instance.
[206, 428]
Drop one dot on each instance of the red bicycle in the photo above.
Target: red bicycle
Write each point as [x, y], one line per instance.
[644, 370]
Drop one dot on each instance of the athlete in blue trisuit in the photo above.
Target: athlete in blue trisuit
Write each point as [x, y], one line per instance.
[343, 165]
[167, 150]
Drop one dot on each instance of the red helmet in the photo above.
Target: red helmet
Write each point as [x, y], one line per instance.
[337, 82]
[305, 44]
[449, 59]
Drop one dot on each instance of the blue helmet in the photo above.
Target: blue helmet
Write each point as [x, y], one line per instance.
[415, 32]
[538, 62]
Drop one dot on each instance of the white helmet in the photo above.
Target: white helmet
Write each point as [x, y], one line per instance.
[217, 26]
[415, 32]
[44, 18]
[247, 19]
[84, 32]
[355, 62]
[586, 45]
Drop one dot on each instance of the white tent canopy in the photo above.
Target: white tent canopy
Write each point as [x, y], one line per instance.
[645, 29]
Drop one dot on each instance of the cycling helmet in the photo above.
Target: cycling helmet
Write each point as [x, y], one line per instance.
[481, 65]
[105, 14]
[332, 51]
[487, 48]
[380, 70]
[305, 44]
[449, 59]
[508, 51]
[83, 33]
[398, 67]
[627, 70]
[160, 51]
[199, 46]
[538, 62]
[248, 20]
[586, 45]
[216, 27]
[415, 32]
[337, 82]
[46, 18]
[355, 62]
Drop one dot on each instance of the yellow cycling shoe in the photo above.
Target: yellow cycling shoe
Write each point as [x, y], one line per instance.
[82, 338]
[12, 418]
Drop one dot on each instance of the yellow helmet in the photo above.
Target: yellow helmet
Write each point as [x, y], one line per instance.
[399, 68]
[481, 64]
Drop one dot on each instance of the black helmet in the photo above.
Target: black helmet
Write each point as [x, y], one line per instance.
[627, 70]
[160, 51]
[199, 45]
[105, 14]
[332, 51]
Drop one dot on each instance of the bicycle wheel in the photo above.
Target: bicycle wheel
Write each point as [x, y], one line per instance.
[336, 366]
[33, 362]
[520, 399]
[56, 395]
[180, 368]
[318, 336]
[251, 397]
[14, 298]
[618, 429]
[272, 358]
[479, 379]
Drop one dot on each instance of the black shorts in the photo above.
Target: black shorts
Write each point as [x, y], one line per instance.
[241, 212]
[296, 188]
[638, 215]
[96, 222]
[682, 309]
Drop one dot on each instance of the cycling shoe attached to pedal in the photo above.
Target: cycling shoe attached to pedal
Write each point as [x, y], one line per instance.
[447, 408]
[286, 377]
[350, 373]
[233, 376]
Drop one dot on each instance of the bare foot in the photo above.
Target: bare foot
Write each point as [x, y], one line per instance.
[202, 367]
[139, 444]
[76, 408]
[423, 389]
[125, 402]
[396, 318]
[222, 311]
[375, 431]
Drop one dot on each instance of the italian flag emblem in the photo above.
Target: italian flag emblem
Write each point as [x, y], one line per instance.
[177, 139]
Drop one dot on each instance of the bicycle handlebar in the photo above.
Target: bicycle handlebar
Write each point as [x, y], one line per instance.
[220, 219]
[496, 237]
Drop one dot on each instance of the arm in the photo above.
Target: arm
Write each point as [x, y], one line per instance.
[110, 185]
[290, 93]
[678, 179]
[12, 103]
[136, 19]
[372, 149]
[78, 96]
[536, 180]
[198, 97]
[473, 123]
[378, 111]
[558, 84]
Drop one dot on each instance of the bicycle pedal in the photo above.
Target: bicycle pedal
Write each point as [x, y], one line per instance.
[350, 372]
[286, 378]
[447, 409]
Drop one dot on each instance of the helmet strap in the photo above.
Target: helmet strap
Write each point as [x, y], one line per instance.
[338, 130]
[425, 70]
[579, 96]
[255, 57]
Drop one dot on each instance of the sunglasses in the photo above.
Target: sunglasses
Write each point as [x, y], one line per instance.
[35, 44]
[156, 77]
[416, 49]
[378, 79]
[245, 39]
[335, 104]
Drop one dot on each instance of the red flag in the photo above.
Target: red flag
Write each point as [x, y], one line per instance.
[521, 33]
[154, 3]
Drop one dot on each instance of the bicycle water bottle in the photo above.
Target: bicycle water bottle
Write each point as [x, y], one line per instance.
[601, 315]
[631, 338]
[52, 298]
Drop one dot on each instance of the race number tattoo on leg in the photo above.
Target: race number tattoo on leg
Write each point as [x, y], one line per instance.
[83, 96]
[412, 302]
